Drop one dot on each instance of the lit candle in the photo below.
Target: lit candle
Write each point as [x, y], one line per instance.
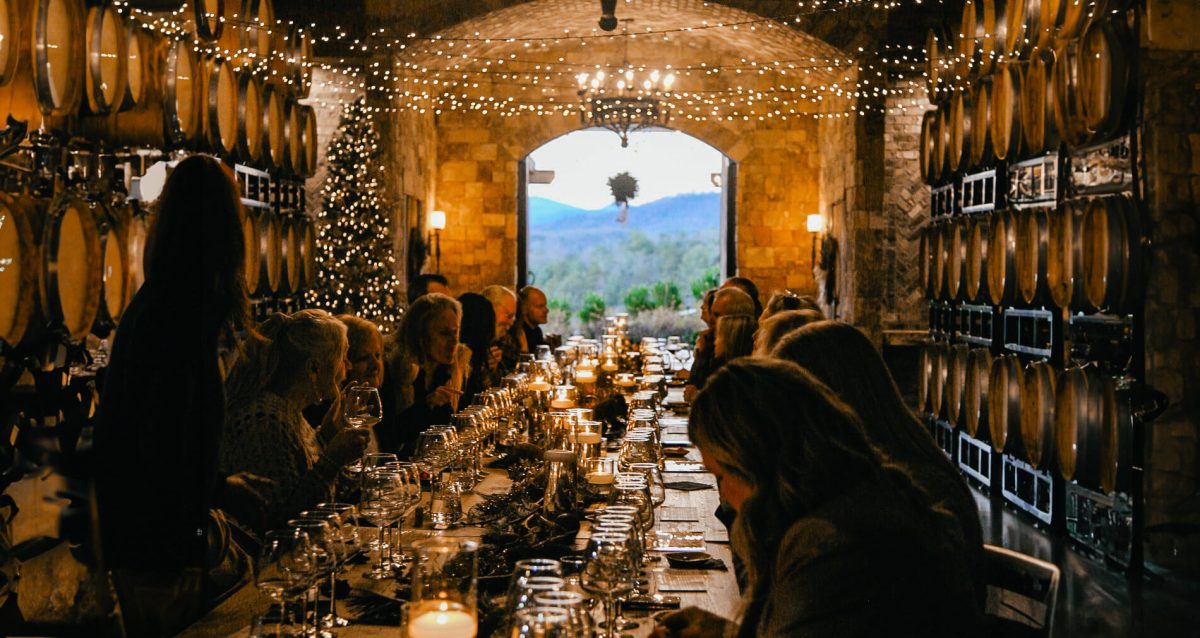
[609, 366]
[585, 376]
[561, 404]
[600, 478]
[443, 621]
[538, 385]
[587, 437]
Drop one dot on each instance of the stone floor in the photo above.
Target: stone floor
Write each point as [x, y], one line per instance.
[1095, 600]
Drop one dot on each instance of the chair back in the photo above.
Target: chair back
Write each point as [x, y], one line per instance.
[1022, 591]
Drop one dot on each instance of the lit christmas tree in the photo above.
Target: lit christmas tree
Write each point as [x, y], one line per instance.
[357, 267]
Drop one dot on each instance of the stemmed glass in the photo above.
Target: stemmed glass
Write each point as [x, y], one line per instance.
[343, 519]
[362, 407]
[609, 573]
[654, 477]
[285, 569]
[376, 505]
[543, 622]
[410, 494]
[321, 544]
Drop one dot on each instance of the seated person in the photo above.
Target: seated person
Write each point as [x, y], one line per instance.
[702, 352]
[836, 541]
[726, 302]
[746, 285]
[477, 333]
[300, 361]
[734, 337]
[784, 301]
[426, 283]
[775, 327]
[843, 358]
[364, 362]
[532, 314]
[424, 373]
[505, 350]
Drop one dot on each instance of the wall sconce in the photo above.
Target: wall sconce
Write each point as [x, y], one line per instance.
[816, 225]
[437, 223]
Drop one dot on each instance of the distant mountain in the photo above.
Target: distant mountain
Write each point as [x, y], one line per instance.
[557, 229]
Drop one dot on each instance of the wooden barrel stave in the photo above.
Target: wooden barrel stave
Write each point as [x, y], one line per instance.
[206, 19]
[1069, 118]
[255, 38]
[961, 108]
[941, 259]
[252, 263]
[956, 384]
[294, 156]
[1063, 257]
[138, 232]
[45, 83]
[924, 377]
[139, 65]
[1080, 405]
[114, 278]
[19, 254]
[928, 129]
[1037, 103]
[1105, 77]
[274, 152]
[981, 125]
[1037, 414]
[270, 279]
[1116, 437]
[1022, 23]
[1004, 403]
[1111, 254]
[308, 139]
[249, 147]
[941, 144]
[940, 370]
[956, 260]
[309, 253]
[975, 394]
[10, 40]
[219, 112]
[937, 63]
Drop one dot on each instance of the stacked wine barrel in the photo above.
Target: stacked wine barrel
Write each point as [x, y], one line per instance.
[1015, 80]
[227, 82]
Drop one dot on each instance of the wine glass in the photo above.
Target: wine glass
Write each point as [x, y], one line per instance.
[376, 504]
[542, 622]
[609, 573]
[654, 477]
[324, 561]
[284, 569]
[362, 407]
[578, 618]
[337, 544]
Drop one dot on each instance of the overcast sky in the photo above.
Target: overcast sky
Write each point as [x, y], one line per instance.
[664, 162]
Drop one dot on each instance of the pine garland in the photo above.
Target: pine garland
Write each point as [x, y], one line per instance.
[357, 265]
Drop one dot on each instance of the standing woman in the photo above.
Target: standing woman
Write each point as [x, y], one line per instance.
[161, 413]
[424, 373]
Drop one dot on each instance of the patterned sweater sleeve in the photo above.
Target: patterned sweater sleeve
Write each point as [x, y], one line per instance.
[267, 442]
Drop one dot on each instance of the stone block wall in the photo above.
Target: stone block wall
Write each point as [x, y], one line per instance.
[1171, 139]
[905, 210]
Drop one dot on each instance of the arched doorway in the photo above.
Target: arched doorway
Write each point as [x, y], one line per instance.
[677, 231]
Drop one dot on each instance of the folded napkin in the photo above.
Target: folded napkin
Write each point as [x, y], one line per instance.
[712, 563]
[687, 486]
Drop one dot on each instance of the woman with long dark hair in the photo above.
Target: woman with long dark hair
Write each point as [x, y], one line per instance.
[161, 411]
[836, 540]
[477, 332]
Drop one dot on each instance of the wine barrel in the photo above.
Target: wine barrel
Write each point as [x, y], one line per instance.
[927, 150]
[1002, 261]
[981, 124]
[19, 221]
[206, 19]
[1061, 20]
[961, 108]
[1069, 118]
[300, 54]
[308, 253]
[975, 393]
[169, 114]
[251, 240]
[1032, 241]
[1112, 259]
[1006, 110]
[1022, 24]
[956, 384]
[956, 260]
[249, 118]
[257, 27]
[1004, 404]
[1083, 398]
[71, 269]
[138, 231]
[220, 112]
[270, 238]
[292, 276]
[924, 376]
[10, 39]
[1037, 103]
[114, 279]
[941, 258]
[182, 94]
[1037, 414]
[1105, 78]
[1063, 256]
[47, 55]
[975, 287]
[938, 63]
[939, 371]
[274, 151]
[106, 41]
[982, 32]
[941, 145]
[1116, 437]
[928, 250]
[139, 65]
[293, 156]
[308, 140]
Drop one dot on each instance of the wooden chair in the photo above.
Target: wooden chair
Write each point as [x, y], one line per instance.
[1022, 592]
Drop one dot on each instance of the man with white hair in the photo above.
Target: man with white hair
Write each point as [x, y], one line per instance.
[504, 303]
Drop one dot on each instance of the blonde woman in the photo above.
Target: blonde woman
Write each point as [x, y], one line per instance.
[734, 337]
[777, 326]
[300, 362]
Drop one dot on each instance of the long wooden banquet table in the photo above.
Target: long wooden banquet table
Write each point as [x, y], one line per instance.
[233, 616]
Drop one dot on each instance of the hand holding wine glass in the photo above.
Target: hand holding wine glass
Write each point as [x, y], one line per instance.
[362, 407]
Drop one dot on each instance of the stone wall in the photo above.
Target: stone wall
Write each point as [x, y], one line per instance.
[905, 211]
[1171, 138]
